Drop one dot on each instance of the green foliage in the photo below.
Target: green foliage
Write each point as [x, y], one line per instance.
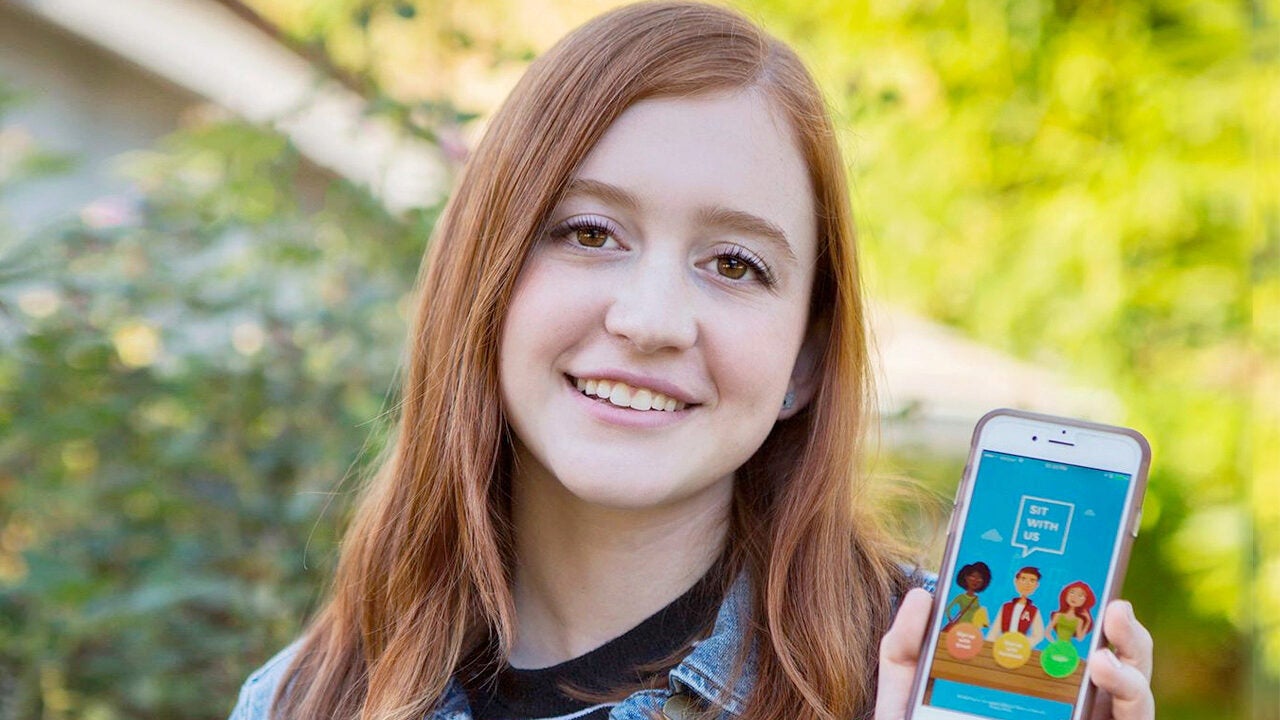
[189, 380]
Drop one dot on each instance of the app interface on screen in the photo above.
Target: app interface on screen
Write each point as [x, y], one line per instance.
[1023, 604]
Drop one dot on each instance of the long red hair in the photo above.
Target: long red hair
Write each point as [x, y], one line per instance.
[425, 567]
[1089, 601]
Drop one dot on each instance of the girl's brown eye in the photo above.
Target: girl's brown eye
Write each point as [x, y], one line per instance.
[591, 237]
[731, 267]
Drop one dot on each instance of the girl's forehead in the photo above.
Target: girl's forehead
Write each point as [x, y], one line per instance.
[728, 150]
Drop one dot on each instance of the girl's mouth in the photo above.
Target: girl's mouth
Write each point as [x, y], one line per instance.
[620, 394]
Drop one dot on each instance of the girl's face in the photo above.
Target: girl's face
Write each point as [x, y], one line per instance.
[1075, 597]
[674, 276]
[972, 581]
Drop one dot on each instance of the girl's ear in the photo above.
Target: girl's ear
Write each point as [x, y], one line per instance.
[805, 374]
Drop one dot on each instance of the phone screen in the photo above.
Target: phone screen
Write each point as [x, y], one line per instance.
[1021, 608]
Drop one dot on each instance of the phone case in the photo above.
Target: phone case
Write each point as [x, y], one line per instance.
[1126, 543]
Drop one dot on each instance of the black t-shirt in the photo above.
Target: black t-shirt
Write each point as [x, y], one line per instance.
[625, 661]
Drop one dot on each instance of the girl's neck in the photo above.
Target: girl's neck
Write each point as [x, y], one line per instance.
[586, 574]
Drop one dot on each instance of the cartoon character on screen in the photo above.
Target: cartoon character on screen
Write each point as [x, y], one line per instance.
[1073, 619]
[1020, 613]
[967, 608]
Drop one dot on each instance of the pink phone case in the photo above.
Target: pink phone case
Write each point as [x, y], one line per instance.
[1126, 543]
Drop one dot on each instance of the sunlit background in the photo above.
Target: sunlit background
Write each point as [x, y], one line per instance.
[211, 212]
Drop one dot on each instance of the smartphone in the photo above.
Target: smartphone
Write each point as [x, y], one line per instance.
[1044, 519]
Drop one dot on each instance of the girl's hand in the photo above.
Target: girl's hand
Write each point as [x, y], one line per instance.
[1123, 678]
[900, 653]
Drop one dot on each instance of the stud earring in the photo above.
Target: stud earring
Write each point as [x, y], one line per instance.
[789, 400]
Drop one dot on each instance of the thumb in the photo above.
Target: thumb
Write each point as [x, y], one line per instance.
[900, 654]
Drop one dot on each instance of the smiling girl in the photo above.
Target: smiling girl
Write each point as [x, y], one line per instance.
[626, 478]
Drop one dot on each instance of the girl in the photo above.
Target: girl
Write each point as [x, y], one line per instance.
[1072, 619]
[625, 480]
[967, 607]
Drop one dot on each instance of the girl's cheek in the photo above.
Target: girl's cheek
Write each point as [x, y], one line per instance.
[734, 345]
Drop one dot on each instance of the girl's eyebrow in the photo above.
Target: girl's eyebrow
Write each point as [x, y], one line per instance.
[746, 223]
[715, 215]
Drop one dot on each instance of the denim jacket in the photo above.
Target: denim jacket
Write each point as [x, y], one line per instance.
[699, 679]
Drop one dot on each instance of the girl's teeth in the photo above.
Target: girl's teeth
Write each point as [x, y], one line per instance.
[620, 395]
[642, 400]
[623, 395]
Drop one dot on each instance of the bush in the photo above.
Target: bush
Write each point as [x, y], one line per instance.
[191, 376]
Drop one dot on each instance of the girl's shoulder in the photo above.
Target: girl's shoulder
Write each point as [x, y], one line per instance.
[258, 691]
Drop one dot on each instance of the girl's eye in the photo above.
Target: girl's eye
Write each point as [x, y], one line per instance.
[586, 232]
[590, 236]
[731, 267]
[736, 262]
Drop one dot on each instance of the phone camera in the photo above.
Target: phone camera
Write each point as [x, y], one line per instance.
[1035, 437]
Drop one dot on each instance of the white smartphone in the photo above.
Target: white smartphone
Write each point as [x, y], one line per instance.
[1044, 519]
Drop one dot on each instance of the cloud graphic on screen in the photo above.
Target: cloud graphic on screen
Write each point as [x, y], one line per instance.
[993, 535]
[1090, 513]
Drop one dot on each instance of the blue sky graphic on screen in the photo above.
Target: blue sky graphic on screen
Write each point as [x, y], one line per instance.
[1059, 519]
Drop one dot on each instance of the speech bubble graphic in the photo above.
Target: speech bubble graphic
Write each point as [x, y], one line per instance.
[1043, 525]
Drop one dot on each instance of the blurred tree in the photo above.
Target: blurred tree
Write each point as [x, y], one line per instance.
[188, 381]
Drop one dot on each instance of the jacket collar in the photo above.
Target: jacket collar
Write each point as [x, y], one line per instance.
[705, 672]
[708, 669]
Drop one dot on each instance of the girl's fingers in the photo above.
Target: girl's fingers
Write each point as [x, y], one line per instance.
[900, 654]
[1131, 640]
[1123, 677]
[1125, 687]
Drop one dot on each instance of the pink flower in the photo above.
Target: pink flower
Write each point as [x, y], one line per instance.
[110, 212]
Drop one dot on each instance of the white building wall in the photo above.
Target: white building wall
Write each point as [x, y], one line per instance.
[79, 100]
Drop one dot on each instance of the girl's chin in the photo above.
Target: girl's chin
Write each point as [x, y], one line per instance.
[645, 490]
[622, 494]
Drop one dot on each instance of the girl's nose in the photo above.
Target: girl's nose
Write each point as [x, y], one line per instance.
[653, 309]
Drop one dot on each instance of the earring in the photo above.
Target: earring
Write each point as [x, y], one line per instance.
[789, 399]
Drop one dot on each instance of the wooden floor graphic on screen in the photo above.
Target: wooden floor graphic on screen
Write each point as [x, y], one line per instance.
[982, 670]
